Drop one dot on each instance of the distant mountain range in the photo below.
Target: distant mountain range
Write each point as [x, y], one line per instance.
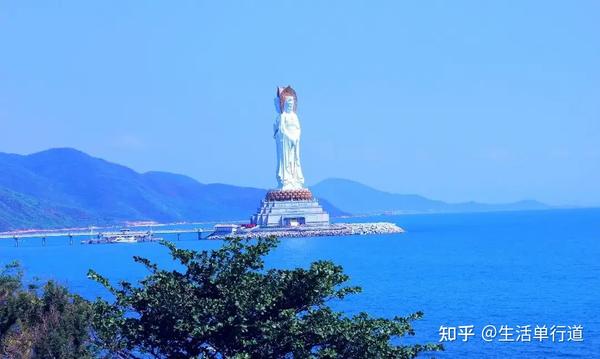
[356, 198]
[67, 188]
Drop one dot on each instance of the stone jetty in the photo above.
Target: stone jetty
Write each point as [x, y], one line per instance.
[334, 229]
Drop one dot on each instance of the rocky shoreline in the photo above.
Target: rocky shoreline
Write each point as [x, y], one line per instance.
[337, 229]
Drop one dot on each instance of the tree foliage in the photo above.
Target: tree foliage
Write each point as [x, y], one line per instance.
[224, 303]
[45, 322]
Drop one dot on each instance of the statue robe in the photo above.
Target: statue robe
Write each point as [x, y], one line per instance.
[287, 140]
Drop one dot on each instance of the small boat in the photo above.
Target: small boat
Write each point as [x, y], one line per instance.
[124, 239]
[123, 236]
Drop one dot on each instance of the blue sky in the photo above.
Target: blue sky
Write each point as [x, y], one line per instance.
[454, 100]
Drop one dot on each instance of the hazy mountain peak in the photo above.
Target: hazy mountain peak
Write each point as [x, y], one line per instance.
[60, 152]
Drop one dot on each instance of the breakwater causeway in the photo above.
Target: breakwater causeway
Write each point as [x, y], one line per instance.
[335, 229]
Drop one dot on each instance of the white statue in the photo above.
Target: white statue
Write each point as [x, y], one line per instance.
[287, 140]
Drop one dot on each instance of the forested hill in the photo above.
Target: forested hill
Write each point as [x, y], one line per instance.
[65, 187]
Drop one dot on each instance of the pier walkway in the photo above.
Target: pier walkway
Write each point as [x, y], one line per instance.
[71, 235]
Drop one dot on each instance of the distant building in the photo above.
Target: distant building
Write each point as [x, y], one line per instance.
[226, 229]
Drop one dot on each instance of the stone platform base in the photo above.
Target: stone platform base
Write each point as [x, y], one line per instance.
[291, 213]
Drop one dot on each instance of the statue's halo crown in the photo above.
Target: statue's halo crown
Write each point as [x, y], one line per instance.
[283, 92]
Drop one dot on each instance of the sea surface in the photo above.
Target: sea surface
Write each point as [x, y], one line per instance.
[501, 269]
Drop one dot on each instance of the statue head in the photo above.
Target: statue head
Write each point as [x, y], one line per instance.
[288, 104]
[286, 99]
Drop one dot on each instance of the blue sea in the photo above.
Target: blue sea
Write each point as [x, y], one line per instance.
[508, 269]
